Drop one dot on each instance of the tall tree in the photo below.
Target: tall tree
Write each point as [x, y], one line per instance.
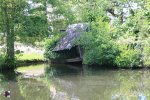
[10, 12]
[21, 21]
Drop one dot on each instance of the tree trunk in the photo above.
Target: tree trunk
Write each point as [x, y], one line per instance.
[10, 49]
[10, 56]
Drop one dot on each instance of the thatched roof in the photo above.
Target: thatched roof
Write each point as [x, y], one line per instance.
[73, 31]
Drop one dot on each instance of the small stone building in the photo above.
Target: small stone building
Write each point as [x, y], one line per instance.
[73, 53]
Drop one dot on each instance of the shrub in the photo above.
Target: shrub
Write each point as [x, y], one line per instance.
[2, 60]
[147, 56]
[49, 46]
[98, 45]
[128, 58]
[103, 55]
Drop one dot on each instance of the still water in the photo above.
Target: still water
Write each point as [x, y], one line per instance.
[66, 82]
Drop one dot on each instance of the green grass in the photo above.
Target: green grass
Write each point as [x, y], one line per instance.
[33, 56]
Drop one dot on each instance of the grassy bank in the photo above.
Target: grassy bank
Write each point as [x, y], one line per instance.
[22, 60]
[31, 57]
[27, 59]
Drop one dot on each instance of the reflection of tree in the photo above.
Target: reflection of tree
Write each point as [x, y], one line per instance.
[50, 72]
[58, 70]
[132, 84]
[8, 83]
[85, 84]
[8, 75]
[25, 89]
[31, 89]
[1, 87]
[95, 84]
[5, 77]
[53, 73]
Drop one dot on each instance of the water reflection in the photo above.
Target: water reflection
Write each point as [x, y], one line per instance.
[91, 84]
[62, 70]
[65, 82]
[32, 89]
[8, 82]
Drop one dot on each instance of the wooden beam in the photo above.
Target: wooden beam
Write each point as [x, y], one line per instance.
[80, 52]
[78, 59]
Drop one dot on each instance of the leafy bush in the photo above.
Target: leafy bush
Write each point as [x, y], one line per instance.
[49, 46]
[147, 56]
[98, 45]
[128, 58]
[101, 55]
[2, 60]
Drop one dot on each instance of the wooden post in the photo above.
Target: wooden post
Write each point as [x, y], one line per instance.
[80, 52]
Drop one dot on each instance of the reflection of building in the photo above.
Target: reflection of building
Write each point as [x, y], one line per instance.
[66, 45]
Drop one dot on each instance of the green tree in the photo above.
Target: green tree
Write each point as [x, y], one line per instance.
[10, 12]
[21, 22]
[114, 24]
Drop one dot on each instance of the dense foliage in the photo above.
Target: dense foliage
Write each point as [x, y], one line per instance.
[119, 31]
[98, 45]
[20, 21]
[49, 46]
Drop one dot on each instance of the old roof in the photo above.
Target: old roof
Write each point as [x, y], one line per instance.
[73, 31]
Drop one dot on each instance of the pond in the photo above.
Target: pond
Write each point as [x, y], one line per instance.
[67, 82]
